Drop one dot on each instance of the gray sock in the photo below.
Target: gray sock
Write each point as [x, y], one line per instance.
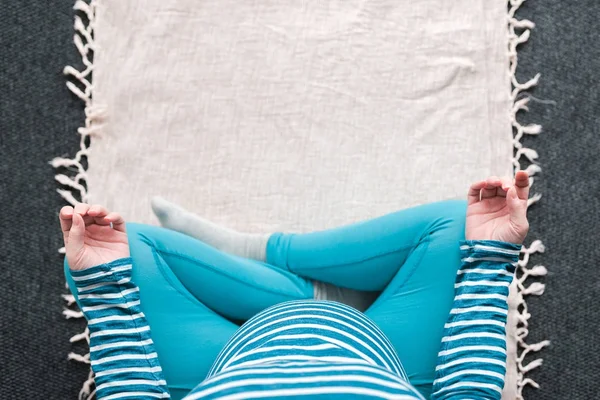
[246, 245]
[174, 217]
[353, 298]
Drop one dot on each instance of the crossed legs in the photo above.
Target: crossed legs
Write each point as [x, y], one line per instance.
[193, 295]
[411, 256]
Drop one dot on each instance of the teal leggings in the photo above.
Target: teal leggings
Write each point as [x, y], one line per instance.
[195, 297]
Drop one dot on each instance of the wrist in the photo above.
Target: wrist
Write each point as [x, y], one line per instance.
[112, 271]
[511, 236]
[85, 261]
[492, 242]
[507, 251]
[511, 240]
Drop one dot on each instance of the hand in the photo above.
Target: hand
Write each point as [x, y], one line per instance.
[497, 209]
[89, 238]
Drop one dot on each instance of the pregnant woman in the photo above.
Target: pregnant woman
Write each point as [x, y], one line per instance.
[164, 309]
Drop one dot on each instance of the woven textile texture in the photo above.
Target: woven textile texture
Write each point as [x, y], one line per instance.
[295, 116]
[39, 118]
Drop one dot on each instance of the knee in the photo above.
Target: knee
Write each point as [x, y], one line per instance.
[144, 237]
[147, 241]
[455, 210]
[142, 232]
[451, 219]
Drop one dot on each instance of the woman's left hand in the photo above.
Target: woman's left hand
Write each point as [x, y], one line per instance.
[497, 209]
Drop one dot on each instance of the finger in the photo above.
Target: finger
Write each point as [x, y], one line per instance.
[65, 217]
[87, 220]
[96, 215]
[81, 208]
[97, 211]
[474, 194]
[491, 184]
[76, 235]
[517, 209]
[118, 222]
[488, 193]
[522, 184]
[101, 221]
[506, 184]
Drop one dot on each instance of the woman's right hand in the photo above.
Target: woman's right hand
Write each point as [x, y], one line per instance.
[89, 238]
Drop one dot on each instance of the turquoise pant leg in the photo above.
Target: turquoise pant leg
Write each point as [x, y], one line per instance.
[188, 290]
[361, 256]
[411, 255]
[414, 307]
[234, 287]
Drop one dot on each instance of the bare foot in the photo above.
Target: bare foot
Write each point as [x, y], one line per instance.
[89, 238]
[497, 209]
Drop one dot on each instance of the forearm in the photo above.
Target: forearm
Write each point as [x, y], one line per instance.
[472, 359]
[122, 353]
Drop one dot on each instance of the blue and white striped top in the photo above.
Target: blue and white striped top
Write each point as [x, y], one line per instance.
[308, 349]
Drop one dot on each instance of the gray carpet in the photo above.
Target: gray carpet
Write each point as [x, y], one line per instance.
[565, 48]
[38, 121]
[39, 118]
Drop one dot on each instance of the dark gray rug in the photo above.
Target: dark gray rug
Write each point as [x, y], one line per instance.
[38, 121]
[565, 48]
[39, 118]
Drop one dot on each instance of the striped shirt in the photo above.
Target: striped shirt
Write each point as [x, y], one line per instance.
[308, 349]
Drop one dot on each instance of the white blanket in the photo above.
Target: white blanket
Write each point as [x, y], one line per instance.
[298, 115]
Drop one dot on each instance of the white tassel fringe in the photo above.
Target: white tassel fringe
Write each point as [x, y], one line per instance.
[95, 114]
[520, 104]
[81, 85]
